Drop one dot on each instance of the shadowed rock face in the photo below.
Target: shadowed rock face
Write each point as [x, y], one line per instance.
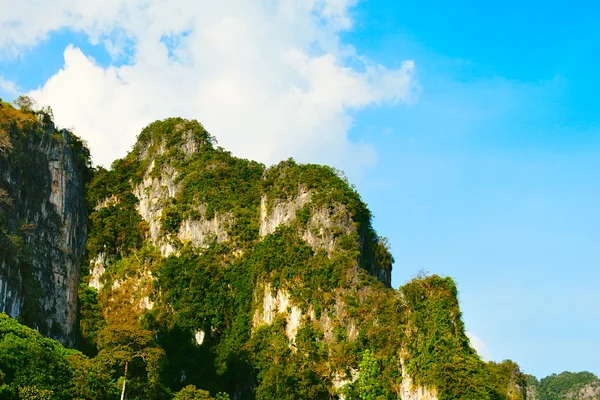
[43, 226]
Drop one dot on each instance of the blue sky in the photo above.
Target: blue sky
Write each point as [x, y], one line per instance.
[491, 177]
[483, 165]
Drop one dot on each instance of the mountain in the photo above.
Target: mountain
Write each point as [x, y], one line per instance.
[566, 385]
[266, 282]
[43, 221]
[184, 271]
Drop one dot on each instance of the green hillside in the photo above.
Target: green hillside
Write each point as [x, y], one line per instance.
[207, 275]
[293, 237]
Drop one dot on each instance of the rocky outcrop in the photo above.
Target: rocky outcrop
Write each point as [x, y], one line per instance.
[325, 224]
[341, 381]
[531, 392]
[199, 233]
[97, 268]
[274, 303]
[322, 226]
[283, 212]
[44, 227]
[409, 391]
[153, 193]
[590, 391]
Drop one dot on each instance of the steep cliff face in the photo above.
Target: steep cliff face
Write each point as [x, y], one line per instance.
[43, 221]
[265, 282]
[210, 270]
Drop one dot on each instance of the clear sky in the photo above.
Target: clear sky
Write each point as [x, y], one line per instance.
[471, 129]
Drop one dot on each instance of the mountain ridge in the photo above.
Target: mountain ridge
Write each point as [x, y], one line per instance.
[206, 273]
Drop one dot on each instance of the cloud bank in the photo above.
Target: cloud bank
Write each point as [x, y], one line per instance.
[269, 78]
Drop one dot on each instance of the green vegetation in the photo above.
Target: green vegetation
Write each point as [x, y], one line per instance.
[33, 367]
[329, 189]
[191, 393]
[299, 311]
[346, 322]
[440, 355]
[568, 385]
[368, 385]
[212, 289]
[118, 229]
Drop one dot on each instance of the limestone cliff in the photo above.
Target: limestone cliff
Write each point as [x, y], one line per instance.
[265, 282]
[205, 269]
[43, 221]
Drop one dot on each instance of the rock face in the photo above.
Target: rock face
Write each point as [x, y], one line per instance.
[263, 282]
[283, 212]
[412, 392]
[152, 193]
[588, 392]
[280, 303]
[44, 221]
[530, 393]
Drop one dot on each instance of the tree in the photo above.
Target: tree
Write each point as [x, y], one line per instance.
[368, 382]
[91, 381]
[25, 103]
[31, 366]
[132, 353]
[34, 393]
[191, 393]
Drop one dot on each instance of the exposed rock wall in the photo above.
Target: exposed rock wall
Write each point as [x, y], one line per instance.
[324, 224]
[278, 303]
[588, 392]
[530, 393]
[283, 212]
[97, 268]
[201, 232]
[153, 193]
[44, 228]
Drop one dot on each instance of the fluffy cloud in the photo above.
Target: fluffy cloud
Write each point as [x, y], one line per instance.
[269, 78]
[8, 87]
[479, 346]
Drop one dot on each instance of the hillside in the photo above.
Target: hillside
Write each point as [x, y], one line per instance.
[204, 274]
[565, 386]
[265, 282]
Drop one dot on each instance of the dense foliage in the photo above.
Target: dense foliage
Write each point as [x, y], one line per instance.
[568, 385]
[284, 294]
[198, 313]
[212, 289]
[34, 367]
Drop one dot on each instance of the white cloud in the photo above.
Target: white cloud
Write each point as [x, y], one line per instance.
[8, 87]
[479, 346]
[269, 78]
